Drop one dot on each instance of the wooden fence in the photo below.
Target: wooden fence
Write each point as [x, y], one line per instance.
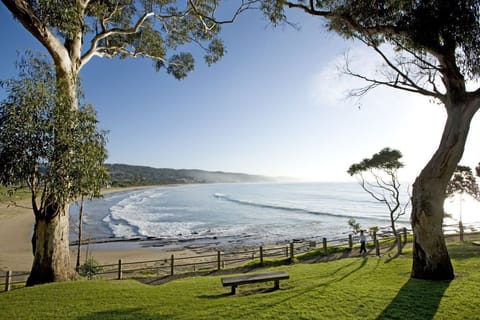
[217, 260]
[13, 279]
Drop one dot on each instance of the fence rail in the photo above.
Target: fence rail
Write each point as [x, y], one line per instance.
[13, 279]
[218, 260]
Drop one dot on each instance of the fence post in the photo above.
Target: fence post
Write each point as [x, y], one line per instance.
[377, 248]
[405, 240]
[292, 252]
[218, 261]
[374, 236]
[172, 264]
[261, 255]
[399, 244]
[286, 251]
[120, 269]
[325, 251]
[8, 280]
[460, 225]
[350, 241]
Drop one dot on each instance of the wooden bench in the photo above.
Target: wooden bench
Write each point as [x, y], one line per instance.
[234, 282]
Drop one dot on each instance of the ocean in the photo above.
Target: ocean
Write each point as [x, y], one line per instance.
[231, 214]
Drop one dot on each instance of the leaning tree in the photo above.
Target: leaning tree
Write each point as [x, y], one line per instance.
[75, 31]
[436, 51]
[378, 176]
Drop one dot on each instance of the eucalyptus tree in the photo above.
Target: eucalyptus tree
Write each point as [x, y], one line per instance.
[57, 152]
[73, 32]
[463, 182]
[378, 176]
[436, 52]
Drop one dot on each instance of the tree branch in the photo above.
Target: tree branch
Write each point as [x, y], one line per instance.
[245, 5]
[107, 33]
[402, 81]
[24, 12]
[310, 9]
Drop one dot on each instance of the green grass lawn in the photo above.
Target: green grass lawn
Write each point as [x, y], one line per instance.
[6, 194]
[352, 288]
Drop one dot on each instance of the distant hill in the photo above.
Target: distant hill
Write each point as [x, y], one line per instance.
[123, 175]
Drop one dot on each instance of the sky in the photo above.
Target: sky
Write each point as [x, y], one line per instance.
[276, 105]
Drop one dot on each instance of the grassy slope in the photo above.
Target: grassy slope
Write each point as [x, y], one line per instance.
[353, 288]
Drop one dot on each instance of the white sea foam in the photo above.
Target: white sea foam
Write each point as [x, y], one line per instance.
[264, 212]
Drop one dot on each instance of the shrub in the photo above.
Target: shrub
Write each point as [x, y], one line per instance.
[90, 268]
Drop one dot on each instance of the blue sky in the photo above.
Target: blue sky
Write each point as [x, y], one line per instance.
[274, 105]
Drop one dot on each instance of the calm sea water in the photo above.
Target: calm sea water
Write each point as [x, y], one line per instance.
[233, 213]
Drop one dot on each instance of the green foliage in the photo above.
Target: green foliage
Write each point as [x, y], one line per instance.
[25, 131]
[387, 160]
[353, 288]
[13, 194]
[159, 30]
[463, 181]
[62, 15]
[90, 268]
[274, 11]
[354, 225]
[56, 151]
[373, 229]
[180, 65]
[123, 175]
[379, 178]
[417, 26]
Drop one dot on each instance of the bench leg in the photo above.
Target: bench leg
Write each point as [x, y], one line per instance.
[233, 290]
[277, 285]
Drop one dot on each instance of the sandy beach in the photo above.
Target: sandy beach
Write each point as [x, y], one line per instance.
[16, 225]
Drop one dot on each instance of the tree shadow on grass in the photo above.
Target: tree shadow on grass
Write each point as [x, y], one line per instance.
[287, 286]
[124, 314]
[417, 299]
[461, 251]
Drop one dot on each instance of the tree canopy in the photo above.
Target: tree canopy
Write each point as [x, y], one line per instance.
[436, 43]
[379, 178]
[35, 122]
[159, 30]
[387, 159]
[463, 181]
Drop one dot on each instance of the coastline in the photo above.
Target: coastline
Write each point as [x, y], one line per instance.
[16, 226]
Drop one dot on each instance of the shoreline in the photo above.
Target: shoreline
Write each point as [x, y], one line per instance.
[16, 227]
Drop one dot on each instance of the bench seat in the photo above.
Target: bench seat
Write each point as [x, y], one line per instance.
[235, 281]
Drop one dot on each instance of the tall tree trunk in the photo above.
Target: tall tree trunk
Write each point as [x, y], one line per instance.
[430, 255]
[51, 245]
[392, 225]
[51, 233]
